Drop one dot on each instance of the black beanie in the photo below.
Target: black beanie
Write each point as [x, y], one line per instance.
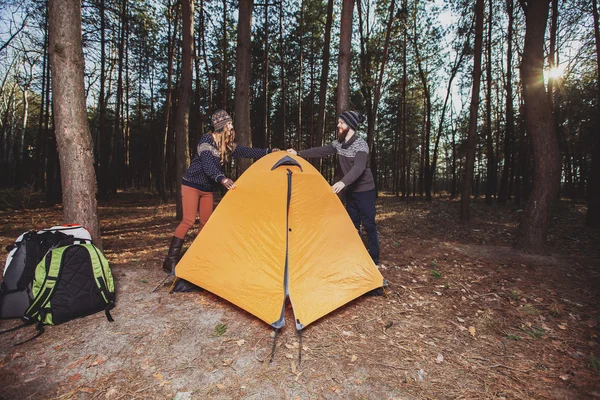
[352, 119]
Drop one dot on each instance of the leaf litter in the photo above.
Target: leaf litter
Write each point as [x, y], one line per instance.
[490, 320]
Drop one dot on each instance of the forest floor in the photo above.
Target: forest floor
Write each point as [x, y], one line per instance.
[465, 317]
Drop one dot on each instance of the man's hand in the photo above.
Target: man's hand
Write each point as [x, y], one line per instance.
[338, 186]
[292, 151]
[228, 183]
[274, 150]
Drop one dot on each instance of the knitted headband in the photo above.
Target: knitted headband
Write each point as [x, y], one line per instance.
[219, 119]
[352, 119]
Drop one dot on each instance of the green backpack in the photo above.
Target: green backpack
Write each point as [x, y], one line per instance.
[70, 282]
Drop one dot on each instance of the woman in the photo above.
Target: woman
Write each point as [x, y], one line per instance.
[205, 171]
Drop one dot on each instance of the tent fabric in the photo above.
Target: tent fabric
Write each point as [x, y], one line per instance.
[281, 232]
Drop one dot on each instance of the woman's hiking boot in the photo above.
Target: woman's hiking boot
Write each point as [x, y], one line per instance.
[173, 255]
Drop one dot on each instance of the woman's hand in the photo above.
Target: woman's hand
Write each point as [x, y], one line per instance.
[228, 183]
[292, 151]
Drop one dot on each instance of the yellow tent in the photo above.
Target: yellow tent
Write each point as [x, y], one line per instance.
[281, 232]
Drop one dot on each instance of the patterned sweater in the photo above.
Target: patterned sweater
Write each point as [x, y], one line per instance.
[205, 169]
[354, 156]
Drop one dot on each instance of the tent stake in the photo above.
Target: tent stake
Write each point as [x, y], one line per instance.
[274, 343]
[300, 346]
[160, 284]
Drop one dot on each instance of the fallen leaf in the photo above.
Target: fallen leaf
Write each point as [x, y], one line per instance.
[227, 362]
[98, 361]
[563, 326]
[241, 342]
[289, 346]
[75, 378]
[76, 363]
[87, 390]
[220, 386]
[460, 319]
[158, 376]
[289, 356]
[565, 377]
[16, 355]
[472, 331]
[293, 367]
[354, 358]
[439, 358]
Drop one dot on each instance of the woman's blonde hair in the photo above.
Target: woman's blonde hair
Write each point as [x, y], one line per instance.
[225, 143]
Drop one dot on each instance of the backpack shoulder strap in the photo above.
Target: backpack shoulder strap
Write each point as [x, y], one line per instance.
[103, 278]
[43, 291]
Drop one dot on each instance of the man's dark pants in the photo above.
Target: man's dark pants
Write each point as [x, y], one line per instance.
[361, 208]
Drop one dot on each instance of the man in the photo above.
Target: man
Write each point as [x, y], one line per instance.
[353, 153]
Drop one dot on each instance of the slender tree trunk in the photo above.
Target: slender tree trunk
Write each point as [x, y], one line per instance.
[377, 97]
[300, 70]
[117, 137]
[225, 60]
[593, 194]
[70, 116]
[429, 178]
[102, 148]
[41, 138]
[282, 136]
[467, 183]
[490, 185]
[324, 75]
[263, 134]
[205, 58]
[242, 82]
[504, 193]
[405, 175]
[552, 51]
[537, 213]
[161, 180]
[343, 88]
[185, 94]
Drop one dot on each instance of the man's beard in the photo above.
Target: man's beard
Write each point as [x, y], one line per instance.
[341, 133]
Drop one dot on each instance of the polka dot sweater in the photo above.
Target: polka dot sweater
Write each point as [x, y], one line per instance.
[205, 170]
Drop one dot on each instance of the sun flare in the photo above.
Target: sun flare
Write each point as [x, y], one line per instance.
[556, 72]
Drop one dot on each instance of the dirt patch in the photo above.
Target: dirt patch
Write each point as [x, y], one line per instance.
[465, 317]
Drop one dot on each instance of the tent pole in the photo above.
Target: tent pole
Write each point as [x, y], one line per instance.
[274, 343]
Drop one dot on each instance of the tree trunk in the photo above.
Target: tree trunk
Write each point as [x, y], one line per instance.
[440, 130]
[205, 58]
[593, 194]
[467, 183]
[490, 185]
[224, 59]
[300, 62]
[185, 94]
[161, 180]
[343, 88]
[41, 137]
[70, 116]
[117, 135]
[103, 148]
[324, 75]
[262, 135]
[405, 170]
[282, 136]
[504, 193]
[537, 213]
[242, 82]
